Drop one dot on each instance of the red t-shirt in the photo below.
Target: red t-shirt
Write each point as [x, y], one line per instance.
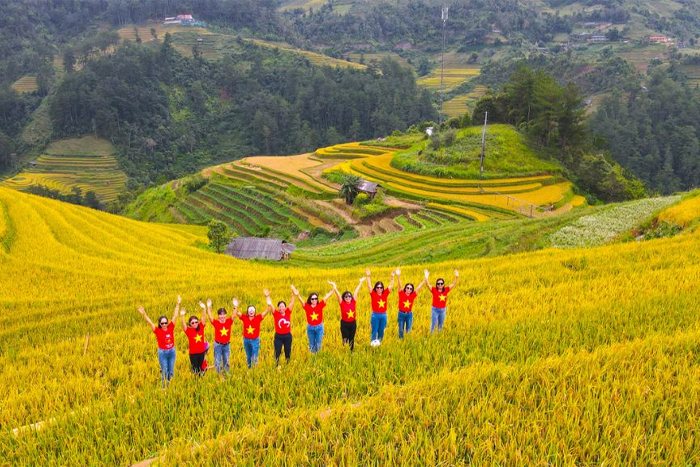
[251, 326]
[379, 302]
[196, 338]
[406, 301]
[347, 310]
[222, 331]
[283, 323]
[314, 315]
[166, 340]
[440, 298]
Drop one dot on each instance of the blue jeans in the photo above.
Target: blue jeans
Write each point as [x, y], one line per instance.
[222, 352]
[315, 334]
[167, 364]
[252, 347]
[437, 318]
[405, 322]
[378, 323]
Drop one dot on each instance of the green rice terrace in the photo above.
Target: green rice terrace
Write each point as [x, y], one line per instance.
[296, 197]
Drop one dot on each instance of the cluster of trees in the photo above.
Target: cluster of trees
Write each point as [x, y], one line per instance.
[654, 132]
[553, 116]
[171, 114]
[76, 196]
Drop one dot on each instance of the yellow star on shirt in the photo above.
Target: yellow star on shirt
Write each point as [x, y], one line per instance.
[223, 332]
[442, 298]
[314, 316]
[406, 304]
[351, 314]
[381, 303]
[250, 330]
[198, 338]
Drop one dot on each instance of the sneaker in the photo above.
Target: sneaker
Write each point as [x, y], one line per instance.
[374, 343]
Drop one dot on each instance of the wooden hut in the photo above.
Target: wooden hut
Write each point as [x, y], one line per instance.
[368, 188]
[259, 248]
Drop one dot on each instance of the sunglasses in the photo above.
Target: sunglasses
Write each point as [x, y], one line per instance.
[409, 288]
[194, 321]
[379, 287]
[314, 298]
[440, 283]
[163, 323]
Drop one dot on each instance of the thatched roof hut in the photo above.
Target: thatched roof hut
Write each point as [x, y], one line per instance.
[259, 248]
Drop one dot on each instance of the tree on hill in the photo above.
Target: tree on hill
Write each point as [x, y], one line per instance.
[348, 187]
[219, 235]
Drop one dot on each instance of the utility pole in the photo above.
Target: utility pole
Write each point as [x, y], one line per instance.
[483, 146]
[445, 10]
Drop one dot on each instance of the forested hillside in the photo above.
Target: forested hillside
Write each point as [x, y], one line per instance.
[173, 114]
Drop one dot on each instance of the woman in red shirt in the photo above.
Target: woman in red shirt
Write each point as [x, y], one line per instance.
[194, 329]
[251, 329]
[348, 309]
[222, 336]
[379, 296]
[406, 297]
[283, 329]
[166, 343]
[314, 318]
[439, 308]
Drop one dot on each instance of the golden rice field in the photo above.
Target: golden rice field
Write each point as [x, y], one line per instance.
[87, 163]
[683, 213]
[25, 84]
[452, 77]
[558, 357]
[303, 167]
[313, 57]
[459, 105]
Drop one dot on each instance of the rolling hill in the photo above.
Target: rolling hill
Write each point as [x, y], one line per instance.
[541, 350]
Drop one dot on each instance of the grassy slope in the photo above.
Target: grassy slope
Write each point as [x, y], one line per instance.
[571, 356]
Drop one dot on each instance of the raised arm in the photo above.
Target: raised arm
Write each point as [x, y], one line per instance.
[291, 302]
[296, 293]
[427, 277]
[398, 277]
[145, 316]
[454, 283]
[268, 300]
[328, 295]
[357, 289]
[391, 283]
[205, 311]
[420, 286]
[335, 290]
[177, 308]
[182, 319]
[235, 308]
[369, 280]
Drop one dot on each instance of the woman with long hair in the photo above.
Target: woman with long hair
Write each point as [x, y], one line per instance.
[379, 296]
[439, 308]
[314, 318]
[348, 313]
[165, 334]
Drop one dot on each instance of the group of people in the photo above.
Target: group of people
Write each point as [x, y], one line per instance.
[193, 327]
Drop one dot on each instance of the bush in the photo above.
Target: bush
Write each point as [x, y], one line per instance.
[193, 183]
[361, 200]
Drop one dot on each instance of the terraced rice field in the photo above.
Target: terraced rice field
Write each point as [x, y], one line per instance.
[88, 163]
[487, 199]
[25, 84]
[459, 105]
[246, 210]
[302, 167]
[313, 57]
[453, 77]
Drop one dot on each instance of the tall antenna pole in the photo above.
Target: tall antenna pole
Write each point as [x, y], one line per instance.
[483, 146]
[445, 10]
